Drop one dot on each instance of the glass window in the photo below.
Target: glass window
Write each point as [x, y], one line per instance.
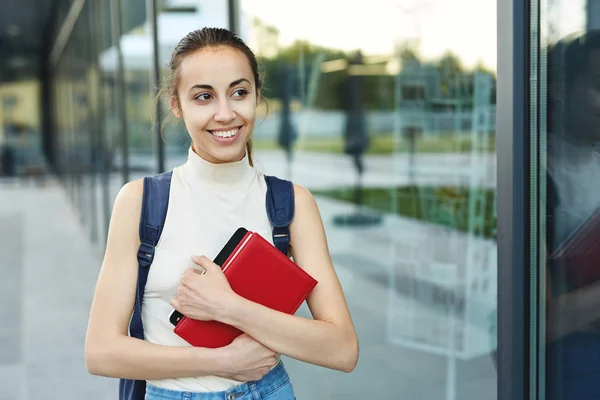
[174, 20]
[138, 56]
[110, 124]
[386, 112]
[570, 166]
[74, 96]
[20, 136]
[81, 103]
[104, 128]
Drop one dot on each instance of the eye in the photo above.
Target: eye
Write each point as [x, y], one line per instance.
[240, 93]
[203, 96]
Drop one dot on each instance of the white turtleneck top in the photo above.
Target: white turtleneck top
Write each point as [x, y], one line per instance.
[207, 203]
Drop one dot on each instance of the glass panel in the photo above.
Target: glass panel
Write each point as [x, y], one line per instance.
[74, 96]
[98, 188]
[66, 123]
[136, 46]
[82, 90]
[20, 139]
[175, 19]
[537, 286]
[569, 134]
[110, 125]
[390, 122]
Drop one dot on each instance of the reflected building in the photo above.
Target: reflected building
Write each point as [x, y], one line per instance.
[454, 273]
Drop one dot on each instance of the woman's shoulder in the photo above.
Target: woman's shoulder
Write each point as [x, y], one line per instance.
[126, 211]
[301, 193]
[304, 201]
[130, 195]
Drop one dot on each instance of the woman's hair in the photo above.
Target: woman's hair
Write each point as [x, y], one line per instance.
[568, 59]
[202, 39]
[570, 56]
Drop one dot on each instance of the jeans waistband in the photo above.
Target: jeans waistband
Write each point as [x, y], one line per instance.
[269, 383]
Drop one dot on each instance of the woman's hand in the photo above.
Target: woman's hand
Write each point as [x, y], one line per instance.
[247, 360]
[203, 295]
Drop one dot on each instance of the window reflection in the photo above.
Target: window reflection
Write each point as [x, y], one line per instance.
[175, 19]
[572, 199]
[395, 136]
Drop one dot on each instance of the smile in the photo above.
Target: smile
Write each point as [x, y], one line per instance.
[225, 133]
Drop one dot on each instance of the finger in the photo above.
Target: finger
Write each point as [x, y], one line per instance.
[175, 303]
[193, 271]
[188, 278]
[205, 263]
[241, 338]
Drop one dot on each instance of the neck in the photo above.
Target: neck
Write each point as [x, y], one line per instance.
[223, 175]
[210, 159]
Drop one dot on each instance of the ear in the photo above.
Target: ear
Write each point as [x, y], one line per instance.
[174, 104]
[257, 97]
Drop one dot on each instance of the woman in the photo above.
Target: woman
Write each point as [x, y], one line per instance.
[573, 196]
[214, 86]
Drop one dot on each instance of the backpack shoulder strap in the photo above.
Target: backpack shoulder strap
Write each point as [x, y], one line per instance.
[155, 202]
[280, 210]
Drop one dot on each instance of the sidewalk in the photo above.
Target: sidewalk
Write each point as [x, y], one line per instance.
[45, 295]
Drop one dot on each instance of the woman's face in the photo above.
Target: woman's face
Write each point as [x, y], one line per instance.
[218, 100]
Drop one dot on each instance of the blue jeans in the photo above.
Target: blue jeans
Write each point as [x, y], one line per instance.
[275, 385]
[574, 368]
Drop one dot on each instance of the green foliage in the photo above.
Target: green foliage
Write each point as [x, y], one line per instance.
[455, 81]
[448, 206]
[384, 144]
[301, 55]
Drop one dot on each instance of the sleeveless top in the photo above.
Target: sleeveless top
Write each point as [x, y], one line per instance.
[207, 203]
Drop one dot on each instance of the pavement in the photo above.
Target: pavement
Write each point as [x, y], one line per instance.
[413, 344]
[47, 287]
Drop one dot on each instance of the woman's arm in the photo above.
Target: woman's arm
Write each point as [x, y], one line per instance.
[571, 311]
[109, 351]
[329, 340]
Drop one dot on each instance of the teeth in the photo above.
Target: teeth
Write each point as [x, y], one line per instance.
[225, 134]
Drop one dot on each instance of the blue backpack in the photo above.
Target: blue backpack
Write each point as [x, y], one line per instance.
[155, 201]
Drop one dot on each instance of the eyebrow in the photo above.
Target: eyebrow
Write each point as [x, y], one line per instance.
[208, 87]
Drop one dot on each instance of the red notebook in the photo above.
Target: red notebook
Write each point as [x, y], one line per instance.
[580, 253]
[257, 271]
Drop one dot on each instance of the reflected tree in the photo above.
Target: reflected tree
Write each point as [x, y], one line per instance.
[356, 138]
[287, 131]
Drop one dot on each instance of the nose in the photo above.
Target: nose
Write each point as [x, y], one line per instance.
[224, 112]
